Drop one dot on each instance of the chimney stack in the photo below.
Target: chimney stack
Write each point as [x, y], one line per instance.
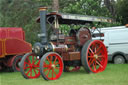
[43, 13]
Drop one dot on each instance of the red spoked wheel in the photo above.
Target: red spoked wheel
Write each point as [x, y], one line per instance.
[29, 66]
[94, 56]
[51, 66]
[72, 69]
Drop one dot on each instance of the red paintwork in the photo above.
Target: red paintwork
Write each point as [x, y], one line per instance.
[12, 42]
[97, 64]
[11, 32]
[16, 46]
[32, 63]
[52, 73]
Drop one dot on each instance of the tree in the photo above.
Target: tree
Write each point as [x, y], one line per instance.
[21, 13]
[110, 4]
[55, 5]
[122, 11]
[87, 7]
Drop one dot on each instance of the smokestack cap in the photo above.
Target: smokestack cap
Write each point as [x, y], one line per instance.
[43, 8]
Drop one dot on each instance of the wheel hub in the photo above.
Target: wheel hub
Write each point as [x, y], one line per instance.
[32, 66]
[53, 66]
[119, 60]
[96, 56]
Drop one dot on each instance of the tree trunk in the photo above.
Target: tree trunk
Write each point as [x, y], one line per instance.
[55, 5]
[110, 5]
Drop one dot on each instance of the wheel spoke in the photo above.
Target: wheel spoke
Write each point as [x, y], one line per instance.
[29, 71]
[35, 71]
[99, 50]
[95, 50]
[56, 63]
[27, 63]
[94, 66]
[38, 63]
[100, 56]
[32, 59]
[99, 64]
[35, 60]
[90, 54]
[91, 51]
[92, 61]
[57, 67]
[55, 60]
[51, 58]
[90, 57]
[48, 72]
[48, 59]
[28, 60]
[45, 65]
[99, 60]
[54, 72]
[26, 67]
[93, 47]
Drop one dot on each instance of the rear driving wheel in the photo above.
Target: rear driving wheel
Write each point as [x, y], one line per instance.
[94, 56]
[51, 66]
[119, 59]
[29, 66]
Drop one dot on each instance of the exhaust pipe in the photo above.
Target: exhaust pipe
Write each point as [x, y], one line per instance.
[43, 12]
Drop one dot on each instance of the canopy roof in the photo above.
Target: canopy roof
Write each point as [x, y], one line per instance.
[75, 18]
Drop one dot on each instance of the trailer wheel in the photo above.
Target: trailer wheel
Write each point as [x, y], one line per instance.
[15, 64]
[29, 66]
[94, 56]
[119, 59]
[51, 66]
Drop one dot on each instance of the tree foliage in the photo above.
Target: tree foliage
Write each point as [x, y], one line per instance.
[122, 11]
[20, 13]
[23, 13]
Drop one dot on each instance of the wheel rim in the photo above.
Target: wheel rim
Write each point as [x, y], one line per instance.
[17, 64]
[96, 56]
[52, 66]
[119, 60]
[31, 66]
[72, 69]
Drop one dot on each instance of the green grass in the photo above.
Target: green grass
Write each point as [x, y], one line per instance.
[113, 75]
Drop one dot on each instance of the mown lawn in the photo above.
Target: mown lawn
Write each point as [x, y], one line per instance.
[113, 75]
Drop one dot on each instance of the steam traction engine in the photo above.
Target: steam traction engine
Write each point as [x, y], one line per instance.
[64, 53]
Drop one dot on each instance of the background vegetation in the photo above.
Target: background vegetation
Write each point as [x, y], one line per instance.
[23, 13]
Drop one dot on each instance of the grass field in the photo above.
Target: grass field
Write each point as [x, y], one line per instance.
[113, 75]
